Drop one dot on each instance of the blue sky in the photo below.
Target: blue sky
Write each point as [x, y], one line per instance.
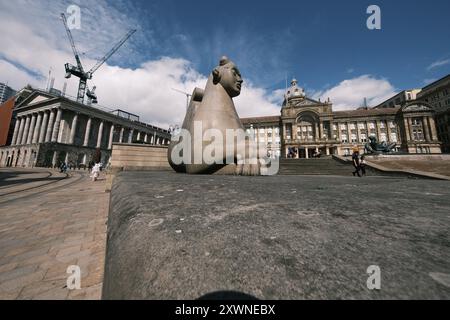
[324, 44]
[320, 42]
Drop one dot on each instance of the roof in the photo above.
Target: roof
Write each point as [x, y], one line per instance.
[366, 113]
[447, 77]
[55, 97]
[257, 120]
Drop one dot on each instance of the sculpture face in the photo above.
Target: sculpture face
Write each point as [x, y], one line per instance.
[230, 79]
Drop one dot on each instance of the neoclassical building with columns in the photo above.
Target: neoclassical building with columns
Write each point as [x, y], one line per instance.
[50, 129]
[307, 126]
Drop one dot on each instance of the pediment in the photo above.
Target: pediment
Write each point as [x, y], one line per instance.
[413, 107]
[304, 102]
[36, 97]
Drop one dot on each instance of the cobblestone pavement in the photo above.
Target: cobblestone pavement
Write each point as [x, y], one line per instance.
[47, 229]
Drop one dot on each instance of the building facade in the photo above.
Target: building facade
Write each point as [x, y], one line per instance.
[400, 98]
[307, 127]
[437, 94]
[51, 129]
[6, 92]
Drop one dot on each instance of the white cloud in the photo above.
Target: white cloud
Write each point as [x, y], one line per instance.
[350, 94]
[39, 43]
[20, 78]
[438, 64]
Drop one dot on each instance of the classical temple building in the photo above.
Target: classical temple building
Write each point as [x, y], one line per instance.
[307, 127]
[50, 129]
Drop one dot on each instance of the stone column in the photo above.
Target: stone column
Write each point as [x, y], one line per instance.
[358, 132]
[21, 128]
[306, 153]
[37, 128]
[321, 130]
[43, 127]
[349, 133]
[55, 157]
[51, 123]
[317, 133]
[328, 151]
[87, 132]
[16, 131]
[338, 132]
[73, 128]
[388, 130]
[407, 131]
[411, 133]
[130, 136]
[57, 126]
[25, 130]
[31, 130]
[146, 138]
[377, 124]
[434, 135]
[138, 136]
[122, 130]
[111, 136]
[426, 129]
[100, 135]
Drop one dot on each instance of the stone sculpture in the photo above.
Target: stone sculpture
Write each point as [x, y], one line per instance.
[212, 113]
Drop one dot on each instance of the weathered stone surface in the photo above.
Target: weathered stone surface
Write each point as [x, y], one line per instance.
[176, 236]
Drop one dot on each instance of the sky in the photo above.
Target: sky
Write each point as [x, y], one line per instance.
[325, 45]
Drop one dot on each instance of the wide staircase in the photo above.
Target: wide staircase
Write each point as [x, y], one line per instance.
[321, 166]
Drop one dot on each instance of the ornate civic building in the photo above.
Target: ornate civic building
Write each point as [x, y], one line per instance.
[50, 129]
[307, 127]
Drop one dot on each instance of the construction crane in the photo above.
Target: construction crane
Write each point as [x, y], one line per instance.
[188, 95]
[78, 70]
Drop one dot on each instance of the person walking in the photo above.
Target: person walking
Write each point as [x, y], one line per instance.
[362, 165]
[95, 172]
[356, 162]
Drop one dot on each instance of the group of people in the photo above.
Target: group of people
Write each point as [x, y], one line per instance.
[94, 168]
[359, 163]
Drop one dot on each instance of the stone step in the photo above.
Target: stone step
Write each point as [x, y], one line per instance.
[321, 166]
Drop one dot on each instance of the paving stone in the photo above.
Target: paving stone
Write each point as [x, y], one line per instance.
[42, 235]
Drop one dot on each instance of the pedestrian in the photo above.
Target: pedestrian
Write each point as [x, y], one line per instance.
[95, 172]
[355, 162]
[362, 165]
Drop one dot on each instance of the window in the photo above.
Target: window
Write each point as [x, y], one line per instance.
[363, 137]
[354, 139]
[394, 137]
[383, 137]
[418, 135]
[416, 122]
[344, 138]
[361, 126]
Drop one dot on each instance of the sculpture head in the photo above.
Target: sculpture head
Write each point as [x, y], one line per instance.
[228, 75]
